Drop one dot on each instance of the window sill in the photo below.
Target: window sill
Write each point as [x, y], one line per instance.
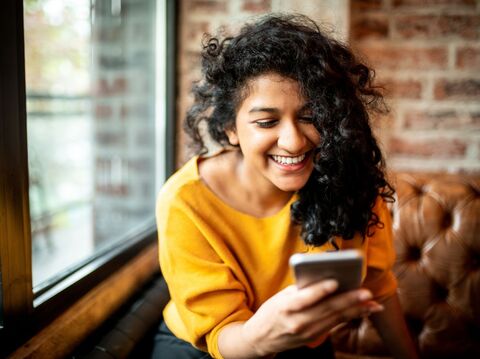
[68, 330]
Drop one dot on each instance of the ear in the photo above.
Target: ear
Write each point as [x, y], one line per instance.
[232, 137]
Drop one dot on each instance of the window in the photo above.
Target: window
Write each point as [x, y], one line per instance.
[85, 144]
[90, 127]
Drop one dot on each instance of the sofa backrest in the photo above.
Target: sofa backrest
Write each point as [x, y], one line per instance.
[436, 224]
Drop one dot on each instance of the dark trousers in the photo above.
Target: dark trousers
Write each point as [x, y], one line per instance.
[168, 346]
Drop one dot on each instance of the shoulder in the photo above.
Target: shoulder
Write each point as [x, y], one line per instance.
[216, 169]
[181, 185]
[382, 209]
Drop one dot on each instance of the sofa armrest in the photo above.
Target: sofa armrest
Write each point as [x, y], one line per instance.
[436, 225]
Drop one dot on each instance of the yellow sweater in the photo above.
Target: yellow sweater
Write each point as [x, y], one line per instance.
[221, 264]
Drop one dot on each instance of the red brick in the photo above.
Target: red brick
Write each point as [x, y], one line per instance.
[430, 3]
[108, 88]
[192, 60]
[467, 89]
[140, 165]
[103, 111]
[475, 118]
[208, 6]
[448, 119]
[433, 26]
[468, 58]
[257, 6]
[370, 27]
[107, 34]
[422, 120]
[109, 139]
[138, 110]
[101, 87]
[119, 86]
[407, 89]
[396, 57]
[120, 190]
[379, 122]
[195, 31]
[439, 148]
[366, 5]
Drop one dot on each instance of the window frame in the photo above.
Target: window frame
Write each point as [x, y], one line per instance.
[21, 318]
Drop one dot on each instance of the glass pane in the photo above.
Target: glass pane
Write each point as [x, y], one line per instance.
[90, 76]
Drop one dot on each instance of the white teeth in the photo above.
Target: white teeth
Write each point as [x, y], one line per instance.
[288, 160]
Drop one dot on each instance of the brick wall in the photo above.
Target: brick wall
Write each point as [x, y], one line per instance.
[123, 116]
[200, 16]
[426, 53]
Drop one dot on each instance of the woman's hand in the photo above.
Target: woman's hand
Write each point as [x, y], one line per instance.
[294, 317]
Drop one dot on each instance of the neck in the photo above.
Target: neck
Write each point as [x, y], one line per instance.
[258, 190]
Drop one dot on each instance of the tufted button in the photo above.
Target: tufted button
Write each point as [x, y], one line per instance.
[441, 293]
[474, 331]
[419, 190]
[415, 325]
[447, 220]
[475, 190]
[414, 254]
[436, 222]
[474, 262]
[392, 212]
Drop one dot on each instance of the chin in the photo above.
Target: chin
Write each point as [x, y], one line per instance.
[291, 187]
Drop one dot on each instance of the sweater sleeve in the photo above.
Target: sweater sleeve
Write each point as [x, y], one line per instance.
[204, 290]
[380, 255]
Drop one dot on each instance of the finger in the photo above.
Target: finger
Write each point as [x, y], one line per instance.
[333, 306]
[373, 307]
[327, 314]
[338, 303]
[326, 323]
[348, 299]
[308, 296]
[362, 309]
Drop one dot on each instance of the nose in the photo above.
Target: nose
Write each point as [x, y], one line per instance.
[291, 137]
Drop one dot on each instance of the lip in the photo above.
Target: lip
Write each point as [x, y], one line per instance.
[292, 167]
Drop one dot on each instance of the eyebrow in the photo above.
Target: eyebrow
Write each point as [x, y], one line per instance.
[305, 107]
[263, 109]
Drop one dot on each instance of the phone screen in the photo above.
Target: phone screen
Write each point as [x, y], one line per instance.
[343, 266]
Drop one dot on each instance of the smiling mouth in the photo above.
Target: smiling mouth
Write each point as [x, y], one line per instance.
[289, 160]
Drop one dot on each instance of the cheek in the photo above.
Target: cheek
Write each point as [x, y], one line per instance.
[260, 142]
[314, 136]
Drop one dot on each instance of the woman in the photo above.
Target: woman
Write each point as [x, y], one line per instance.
[299, 171]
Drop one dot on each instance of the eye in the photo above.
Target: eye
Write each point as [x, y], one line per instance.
[266, 123]
[306, 119]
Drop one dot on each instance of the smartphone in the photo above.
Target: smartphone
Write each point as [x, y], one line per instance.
[343, 266]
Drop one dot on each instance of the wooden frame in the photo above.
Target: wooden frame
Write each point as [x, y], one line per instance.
[21, 319]
[171, 93]
[68, 330]
[15, 237]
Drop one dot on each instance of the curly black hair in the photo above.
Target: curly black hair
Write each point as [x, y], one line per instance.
[348, 175]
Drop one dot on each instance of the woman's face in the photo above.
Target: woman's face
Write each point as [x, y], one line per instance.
[275, 132]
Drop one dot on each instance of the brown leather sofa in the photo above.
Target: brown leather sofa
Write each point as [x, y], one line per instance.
[436, 223]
